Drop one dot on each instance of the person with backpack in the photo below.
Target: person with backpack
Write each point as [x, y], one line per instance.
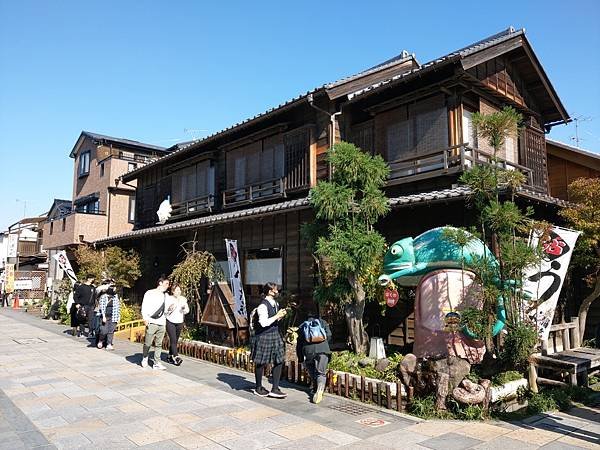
[110, 308]
[312, 348]
[153, 313]
[267, 345]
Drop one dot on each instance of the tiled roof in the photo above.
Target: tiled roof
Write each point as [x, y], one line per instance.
[570, 148]
[123, 141]
[303, 203]
[509, 33]
[117, 140]
[480, 45]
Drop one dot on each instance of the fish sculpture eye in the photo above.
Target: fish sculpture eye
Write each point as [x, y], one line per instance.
[396, 250]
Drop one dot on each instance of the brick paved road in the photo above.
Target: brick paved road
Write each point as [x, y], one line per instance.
[57, 393]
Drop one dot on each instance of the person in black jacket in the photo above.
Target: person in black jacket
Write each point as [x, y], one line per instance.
[315, 357]
[84, 295]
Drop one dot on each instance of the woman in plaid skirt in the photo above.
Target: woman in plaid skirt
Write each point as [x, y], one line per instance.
[268, 346]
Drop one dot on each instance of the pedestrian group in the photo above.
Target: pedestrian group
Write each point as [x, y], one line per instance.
[164, 309]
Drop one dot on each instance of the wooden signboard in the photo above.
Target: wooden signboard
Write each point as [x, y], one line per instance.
[223, 326]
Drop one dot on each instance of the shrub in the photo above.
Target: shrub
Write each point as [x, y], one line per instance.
[348, 361]
[129, 312]
[519, 344]
[506, 377]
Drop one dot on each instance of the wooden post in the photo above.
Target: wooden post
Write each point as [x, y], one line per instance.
[293, 371]
[370, 392]
[346, 385]
[339, 385]
[533, 378]
[398, 396]
[388, 396]
[353, 387]
[410, 394]
[362, 389]
[329, 384]
[379, 394]
[576, 336]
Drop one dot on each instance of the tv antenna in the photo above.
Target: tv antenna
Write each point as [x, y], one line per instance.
[578, 119]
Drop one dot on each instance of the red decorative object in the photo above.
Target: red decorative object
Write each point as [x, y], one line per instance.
[391, 297]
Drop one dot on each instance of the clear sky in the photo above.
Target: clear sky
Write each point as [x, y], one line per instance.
[168, 71]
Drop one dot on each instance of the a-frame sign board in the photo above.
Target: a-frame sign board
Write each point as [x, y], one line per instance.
[220, 319]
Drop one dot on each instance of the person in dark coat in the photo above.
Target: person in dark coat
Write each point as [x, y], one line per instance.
[315, 357]
[84, 296]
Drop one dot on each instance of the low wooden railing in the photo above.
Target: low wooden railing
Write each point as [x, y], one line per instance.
[130, 330]
[449, 161]
[196, 205]
[250, 193]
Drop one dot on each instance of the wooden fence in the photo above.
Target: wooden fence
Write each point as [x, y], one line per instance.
[345, 385]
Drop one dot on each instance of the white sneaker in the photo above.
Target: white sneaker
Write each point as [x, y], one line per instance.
[145, 362]
[158, 366]
[109, 347]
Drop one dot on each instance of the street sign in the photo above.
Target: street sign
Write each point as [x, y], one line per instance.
[391, 297]
[24, 284]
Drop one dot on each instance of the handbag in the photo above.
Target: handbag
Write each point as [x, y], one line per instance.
[81, 315]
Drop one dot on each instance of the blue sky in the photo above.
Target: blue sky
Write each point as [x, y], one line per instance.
[162, 72]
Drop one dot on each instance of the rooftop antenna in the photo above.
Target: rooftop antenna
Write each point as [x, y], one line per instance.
[578, 119]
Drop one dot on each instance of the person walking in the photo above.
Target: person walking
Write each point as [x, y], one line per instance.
[268, 346]
[75, 314]
[153, 313]
[312, 348]
[84, 295]
[176, 308]
[110, 309]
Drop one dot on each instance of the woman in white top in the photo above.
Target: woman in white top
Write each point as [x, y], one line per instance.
[176, 307]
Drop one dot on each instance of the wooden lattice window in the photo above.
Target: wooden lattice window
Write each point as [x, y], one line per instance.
[297, 164]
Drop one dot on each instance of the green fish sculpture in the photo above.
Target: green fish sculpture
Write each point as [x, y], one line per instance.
[408, 260]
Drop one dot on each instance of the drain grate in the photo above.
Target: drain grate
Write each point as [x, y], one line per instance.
[352, 409]
[28, 341]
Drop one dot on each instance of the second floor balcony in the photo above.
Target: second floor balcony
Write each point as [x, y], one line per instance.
[253, 193]
[454, 161]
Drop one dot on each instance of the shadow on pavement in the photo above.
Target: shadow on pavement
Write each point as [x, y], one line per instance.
[235, 382]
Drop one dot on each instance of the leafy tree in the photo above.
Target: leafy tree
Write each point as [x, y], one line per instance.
[502, 224]
[584, 215]
[114, 262]
[347, 247]
[188, 274]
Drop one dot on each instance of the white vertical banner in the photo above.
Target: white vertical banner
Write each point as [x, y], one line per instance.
[13, 243]
[545, 281]
[65, 264]
[235, 276]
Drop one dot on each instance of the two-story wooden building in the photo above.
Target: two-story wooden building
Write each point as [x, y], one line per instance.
[102, 205]
[251, 181]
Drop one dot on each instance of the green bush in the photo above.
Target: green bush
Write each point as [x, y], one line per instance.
[506, 377]
[348, 361]
[195, 333]
[129, 312]
[519, 344]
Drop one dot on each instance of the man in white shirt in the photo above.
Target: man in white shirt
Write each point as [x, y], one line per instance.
[153, 313]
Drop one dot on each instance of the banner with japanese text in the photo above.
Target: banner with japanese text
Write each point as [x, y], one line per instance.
[10, 278]
[236, 278]
[545, 281]
[65, 264]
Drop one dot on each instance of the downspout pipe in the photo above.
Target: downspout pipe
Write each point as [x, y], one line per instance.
[332, 117]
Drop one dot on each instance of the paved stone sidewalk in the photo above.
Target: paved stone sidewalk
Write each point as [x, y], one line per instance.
[58, 393]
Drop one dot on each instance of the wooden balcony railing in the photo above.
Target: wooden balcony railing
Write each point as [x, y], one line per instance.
[251, 193]
[196, 205]
[452, 160]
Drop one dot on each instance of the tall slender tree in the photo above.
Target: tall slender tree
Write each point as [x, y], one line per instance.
[344, 240]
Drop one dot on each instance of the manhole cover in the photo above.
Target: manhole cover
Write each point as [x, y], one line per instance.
[352, 409]
[27, 341]
[372, 422]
